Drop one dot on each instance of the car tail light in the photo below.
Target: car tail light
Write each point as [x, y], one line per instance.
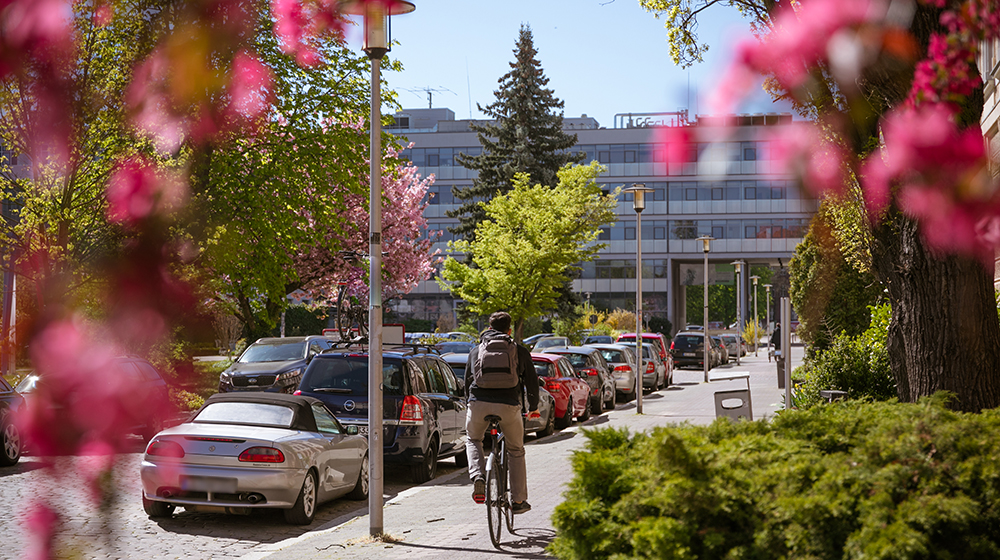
[165, 448]
[671, 344]
[589, 371]
[649, 367]
[553, 386]
[622, 370]
[297, 392]
[411, 410]
[262, 455]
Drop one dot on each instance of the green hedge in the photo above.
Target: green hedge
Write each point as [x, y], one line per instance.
[847, 480]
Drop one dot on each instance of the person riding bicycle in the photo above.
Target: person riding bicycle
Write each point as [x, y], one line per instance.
[499, 373]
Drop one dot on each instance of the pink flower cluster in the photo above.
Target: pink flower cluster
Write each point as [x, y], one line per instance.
[927, 168]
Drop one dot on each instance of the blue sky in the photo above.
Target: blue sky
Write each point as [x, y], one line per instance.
[602, 57]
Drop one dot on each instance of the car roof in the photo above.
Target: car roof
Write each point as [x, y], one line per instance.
[302, 419]
[456, 358]
[549, 357]
[280, 340]
[611, 345]
[571, 350]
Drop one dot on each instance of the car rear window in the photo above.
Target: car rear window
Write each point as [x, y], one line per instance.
[688, 340]
[577, 360]
[614, 356]
[348, 375]
[256, 414]
[542, 369]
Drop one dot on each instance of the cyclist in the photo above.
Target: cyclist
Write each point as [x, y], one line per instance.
[498, 389]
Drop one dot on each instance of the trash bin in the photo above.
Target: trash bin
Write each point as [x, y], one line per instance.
[780, 358]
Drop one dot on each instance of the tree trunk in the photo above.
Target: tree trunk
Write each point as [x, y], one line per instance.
[945, 333]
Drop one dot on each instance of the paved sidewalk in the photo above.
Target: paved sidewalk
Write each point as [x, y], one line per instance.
[439, 519]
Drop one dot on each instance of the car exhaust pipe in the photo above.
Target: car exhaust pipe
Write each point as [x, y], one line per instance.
[255, 498]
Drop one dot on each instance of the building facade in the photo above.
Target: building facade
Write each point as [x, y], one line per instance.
[727, 189]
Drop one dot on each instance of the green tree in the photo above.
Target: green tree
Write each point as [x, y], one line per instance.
[526, 137]
[532, 239]
[942, 304]
[829, 294]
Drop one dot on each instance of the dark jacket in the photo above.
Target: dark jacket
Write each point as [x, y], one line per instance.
[776, 338]
[514, 395]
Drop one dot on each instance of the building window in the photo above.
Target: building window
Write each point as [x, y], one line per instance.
[777, 193]
[750, 193]
[690, 194]
[604, 157]
[718, 232]
[629, 233]
[750, 232]
[659, 232]
[717, 193]
[629, 157]
[433, 160]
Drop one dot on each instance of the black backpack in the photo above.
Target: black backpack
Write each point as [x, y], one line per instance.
[496, 364]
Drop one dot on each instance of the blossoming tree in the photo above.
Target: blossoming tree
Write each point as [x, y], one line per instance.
[895, 98]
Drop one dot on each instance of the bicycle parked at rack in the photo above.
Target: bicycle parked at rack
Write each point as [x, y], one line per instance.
[498, 502]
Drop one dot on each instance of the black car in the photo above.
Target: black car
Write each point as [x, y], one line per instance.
[273, 364]
[592, 366]
[688, 349]
[10, 437]
[424, 408]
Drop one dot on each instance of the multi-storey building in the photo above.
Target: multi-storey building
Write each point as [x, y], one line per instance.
[989, 69]
[727, 189]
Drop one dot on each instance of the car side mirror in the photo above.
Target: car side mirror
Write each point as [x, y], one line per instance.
[351, 430]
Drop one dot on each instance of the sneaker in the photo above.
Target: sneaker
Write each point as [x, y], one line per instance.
[520, 507]
[479, 491]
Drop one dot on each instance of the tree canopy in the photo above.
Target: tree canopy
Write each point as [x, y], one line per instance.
[531, 239]
[526, 137]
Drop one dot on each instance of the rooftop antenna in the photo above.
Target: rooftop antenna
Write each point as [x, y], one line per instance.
[430, 94]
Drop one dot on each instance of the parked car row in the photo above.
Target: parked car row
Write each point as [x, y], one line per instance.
[688, 349]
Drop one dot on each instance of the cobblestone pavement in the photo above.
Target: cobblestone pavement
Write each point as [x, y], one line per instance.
[434, 520]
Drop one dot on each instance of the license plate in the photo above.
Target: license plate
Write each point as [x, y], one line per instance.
[363, 430]
[208, 484]
[689, 354]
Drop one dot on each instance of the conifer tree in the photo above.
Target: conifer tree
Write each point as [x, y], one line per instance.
[525, 137]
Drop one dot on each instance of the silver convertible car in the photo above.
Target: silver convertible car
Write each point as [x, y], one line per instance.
[255, 450]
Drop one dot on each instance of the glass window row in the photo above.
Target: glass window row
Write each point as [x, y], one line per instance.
[765, 228]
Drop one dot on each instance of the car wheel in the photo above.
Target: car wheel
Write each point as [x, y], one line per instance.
[613, 402]
[424, 471]
[550, 425]
[586, 413]
[360, 491]
[304, 510]
[462, 458]
[11, 437]
[156, 509]
[596, 405]
[566, 419]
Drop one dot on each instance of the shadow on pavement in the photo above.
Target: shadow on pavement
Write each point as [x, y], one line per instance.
[561, 436]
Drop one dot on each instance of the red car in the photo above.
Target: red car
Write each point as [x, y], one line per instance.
[571, 394]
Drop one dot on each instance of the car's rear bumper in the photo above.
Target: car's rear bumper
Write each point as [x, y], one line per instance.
[220, 486]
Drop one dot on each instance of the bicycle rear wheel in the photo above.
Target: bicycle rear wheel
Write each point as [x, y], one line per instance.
[494, 499]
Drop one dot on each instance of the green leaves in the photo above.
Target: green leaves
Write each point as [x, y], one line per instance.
[531, 239]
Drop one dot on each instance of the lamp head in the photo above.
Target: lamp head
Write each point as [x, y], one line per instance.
[376, 16]
[755, 278]
[706, 241]
[638, 191]
[738, 265]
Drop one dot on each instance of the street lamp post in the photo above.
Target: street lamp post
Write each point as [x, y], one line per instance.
[376, 43]
[706, 241]
[638, 191]
[739, 324]
[756, 331]
[767, 332]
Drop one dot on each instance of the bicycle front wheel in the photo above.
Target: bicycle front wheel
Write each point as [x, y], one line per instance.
[494, 500]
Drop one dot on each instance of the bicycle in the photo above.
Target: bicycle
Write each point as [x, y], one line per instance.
[498, 504]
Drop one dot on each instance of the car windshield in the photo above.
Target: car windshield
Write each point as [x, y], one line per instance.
[688, 340]
[257, 414]
[613, 356]
[348, 375]
[279, 352]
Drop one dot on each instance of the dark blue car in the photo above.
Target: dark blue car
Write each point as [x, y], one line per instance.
[423, 410]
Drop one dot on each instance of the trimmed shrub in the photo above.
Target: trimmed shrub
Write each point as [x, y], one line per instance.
[848, 480]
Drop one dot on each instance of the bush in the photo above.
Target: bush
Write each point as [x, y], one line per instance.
[660, 325]
[846, 480]
[858, 365]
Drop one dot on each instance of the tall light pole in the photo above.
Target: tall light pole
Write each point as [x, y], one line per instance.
[767, 331]
[638, 191]
[376, 44]
[756, 331]
[706, 241]
[739, 324]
